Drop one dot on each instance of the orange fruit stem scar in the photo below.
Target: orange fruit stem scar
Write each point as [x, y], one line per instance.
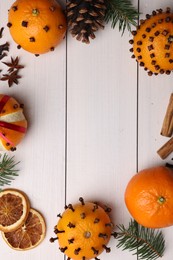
[35, 12]
[161, 200]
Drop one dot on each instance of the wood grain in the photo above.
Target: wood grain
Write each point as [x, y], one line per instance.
[94, 121]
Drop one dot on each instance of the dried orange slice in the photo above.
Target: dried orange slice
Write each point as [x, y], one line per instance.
[28, 236]
[14, 209]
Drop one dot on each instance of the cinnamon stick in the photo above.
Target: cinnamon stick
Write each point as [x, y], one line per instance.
[167, 127]
[166, 149]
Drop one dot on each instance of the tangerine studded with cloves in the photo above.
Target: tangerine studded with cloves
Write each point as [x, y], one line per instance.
[152, 43]
[37, 26]
[83, 230]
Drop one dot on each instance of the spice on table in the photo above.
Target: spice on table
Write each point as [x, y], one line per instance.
[3, 48]
[167, 127]
[1, 32]
[166, 149]
[14, 64]
[11, 78]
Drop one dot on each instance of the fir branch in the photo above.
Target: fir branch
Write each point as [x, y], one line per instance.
[7, 170]
[122, 12]
[147, 243]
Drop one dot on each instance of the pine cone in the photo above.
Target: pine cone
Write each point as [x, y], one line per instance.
[85, 17]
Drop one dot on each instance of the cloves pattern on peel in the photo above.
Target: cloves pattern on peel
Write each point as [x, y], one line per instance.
[37, 29]
[83, 221]
[152, 42]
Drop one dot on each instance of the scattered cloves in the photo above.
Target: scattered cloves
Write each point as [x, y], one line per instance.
[1, 32]
[104, 236]
[148, 16]
[70, 241]
[24, 23]
[107, 209]
[148, 29]
[95, 207]
[150, 47]
[83, 215]
[71, 207]
[32, 39]
[167, 47]
[82, 201]
[165, 32]
[134, 33]
[160, 21]
[94, 251]
[170, 38]
[71, 225]
[168, 19]
[4, 47]
[63, 249]
[76, 251]
[114, 234]
[153, 25]
[139, 43]
[14, 8]
[46, 28]
[96, 220]
[157, 33]
[107, 249]
[52, 239]
[150, 73]
[59, 231]
[9, 24]
[151, 39]
[167, 55]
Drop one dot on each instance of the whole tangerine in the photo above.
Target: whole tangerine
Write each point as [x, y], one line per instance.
[153, 42]
[37, 26]
[149, 197]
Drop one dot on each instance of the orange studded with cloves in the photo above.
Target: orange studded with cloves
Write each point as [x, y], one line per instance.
[83, 230]
[153, 42]
[37, 26]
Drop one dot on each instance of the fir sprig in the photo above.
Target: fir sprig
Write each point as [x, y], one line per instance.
[145, 242]
[122, 12]
[7, 170]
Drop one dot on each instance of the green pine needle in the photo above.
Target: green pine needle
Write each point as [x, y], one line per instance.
[7, 170]
[147, 243]
[122, 12]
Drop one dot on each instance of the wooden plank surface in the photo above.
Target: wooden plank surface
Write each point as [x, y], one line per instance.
[100, 137]
[42, 152]
[94, 120]
[154, 94]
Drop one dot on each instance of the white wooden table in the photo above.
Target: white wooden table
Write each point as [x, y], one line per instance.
[94, 120]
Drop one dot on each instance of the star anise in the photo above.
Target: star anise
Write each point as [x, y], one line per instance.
[14, 64]
[11, 78]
